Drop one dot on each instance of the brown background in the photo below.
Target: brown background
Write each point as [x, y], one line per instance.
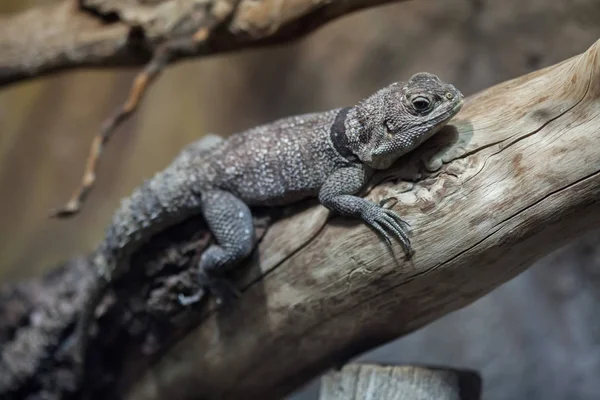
[534, 338]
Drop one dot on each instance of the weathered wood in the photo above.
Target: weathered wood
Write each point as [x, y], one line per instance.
[371, 381]
[515, 176]
[105, 33]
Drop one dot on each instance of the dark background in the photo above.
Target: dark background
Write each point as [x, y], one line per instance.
[536, 337]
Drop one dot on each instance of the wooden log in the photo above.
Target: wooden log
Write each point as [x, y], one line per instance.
[383, 382]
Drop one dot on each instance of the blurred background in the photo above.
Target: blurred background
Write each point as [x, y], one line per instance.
[536, 337]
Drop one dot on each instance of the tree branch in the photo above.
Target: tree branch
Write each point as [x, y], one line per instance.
[104, 33]
[370, 381]
[515, 176]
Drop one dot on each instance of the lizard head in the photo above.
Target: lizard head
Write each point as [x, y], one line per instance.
[400, 117]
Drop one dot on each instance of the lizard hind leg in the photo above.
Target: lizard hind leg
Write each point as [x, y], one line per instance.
[230, 221]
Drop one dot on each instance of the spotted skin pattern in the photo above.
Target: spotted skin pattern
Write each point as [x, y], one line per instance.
[330, 155]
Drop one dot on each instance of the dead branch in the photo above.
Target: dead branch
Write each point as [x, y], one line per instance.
[515, 176]
[104, 33]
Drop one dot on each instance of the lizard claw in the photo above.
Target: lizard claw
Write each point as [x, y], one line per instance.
[191, 299]
[224, 291]
[389, 224]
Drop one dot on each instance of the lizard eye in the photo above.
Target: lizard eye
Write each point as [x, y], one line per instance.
[421, 103]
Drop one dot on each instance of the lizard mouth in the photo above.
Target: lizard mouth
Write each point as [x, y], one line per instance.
[458, 105]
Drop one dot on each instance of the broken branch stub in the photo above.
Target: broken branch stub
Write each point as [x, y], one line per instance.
[390, 382]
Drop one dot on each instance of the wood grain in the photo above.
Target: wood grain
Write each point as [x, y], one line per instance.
[389, 382]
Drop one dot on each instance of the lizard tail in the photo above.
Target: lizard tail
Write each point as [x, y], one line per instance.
[159, 202]
[95, 293]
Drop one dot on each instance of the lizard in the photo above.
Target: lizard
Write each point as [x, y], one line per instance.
[329, 155]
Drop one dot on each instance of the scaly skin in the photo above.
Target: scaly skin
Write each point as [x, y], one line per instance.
[329, 155]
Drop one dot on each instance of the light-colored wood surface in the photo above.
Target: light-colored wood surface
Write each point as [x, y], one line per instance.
[383, 382]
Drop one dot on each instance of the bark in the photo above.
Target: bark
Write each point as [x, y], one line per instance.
[515, 176]
[368, 381]
[104, 33]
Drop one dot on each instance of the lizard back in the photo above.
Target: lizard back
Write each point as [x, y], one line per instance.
[279, 163]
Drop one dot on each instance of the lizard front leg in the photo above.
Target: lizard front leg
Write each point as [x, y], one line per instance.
[337, 194]
[230, 221]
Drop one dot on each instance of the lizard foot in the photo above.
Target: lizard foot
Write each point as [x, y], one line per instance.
[224, 291]
[384, 220]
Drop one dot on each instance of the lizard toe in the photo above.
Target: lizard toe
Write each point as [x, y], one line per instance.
[389, 224]
[191, 299]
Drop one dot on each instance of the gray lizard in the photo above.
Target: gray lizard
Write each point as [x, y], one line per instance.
[329, 155]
